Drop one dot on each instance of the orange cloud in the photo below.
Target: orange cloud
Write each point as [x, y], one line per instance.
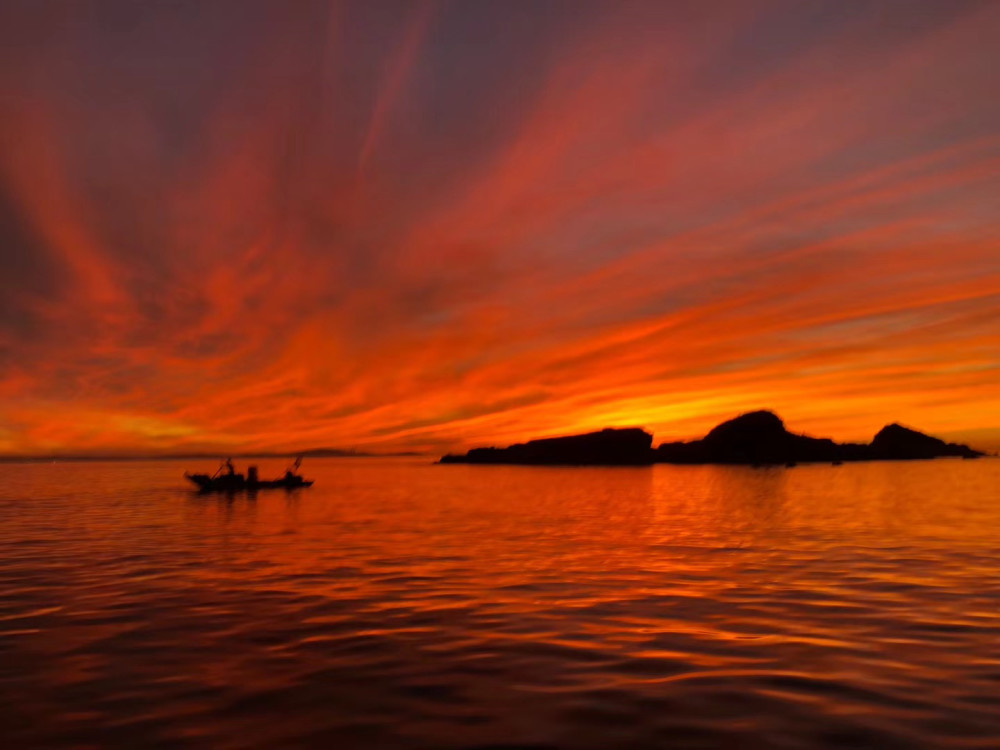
[647, 217]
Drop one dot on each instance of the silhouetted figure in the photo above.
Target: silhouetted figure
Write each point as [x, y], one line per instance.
[230, 469]
[291, 476]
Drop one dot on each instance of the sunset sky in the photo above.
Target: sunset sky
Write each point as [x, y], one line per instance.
[231, 226]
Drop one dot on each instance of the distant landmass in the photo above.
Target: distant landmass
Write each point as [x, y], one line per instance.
[625, 447]
[197, 455]
[346, 453]
[756, 438]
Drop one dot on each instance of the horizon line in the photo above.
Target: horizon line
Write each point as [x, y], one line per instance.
[326, 452]
[313, 453]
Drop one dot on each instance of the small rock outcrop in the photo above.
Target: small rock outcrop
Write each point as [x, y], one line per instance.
[609, 447]
[759, 437]
[895, 443]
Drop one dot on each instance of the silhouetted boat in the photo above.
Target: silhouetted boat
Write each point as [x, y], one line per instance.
[235, 482]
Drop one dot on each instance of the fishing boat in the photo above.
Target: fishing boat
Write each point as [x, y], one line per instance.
[227, 479]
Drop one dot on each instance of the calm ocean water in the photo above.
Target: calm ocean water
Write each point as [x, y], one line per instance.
[402, 604]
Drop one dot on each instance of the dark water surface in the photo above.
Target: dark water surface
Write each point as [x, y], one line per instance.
[401, 604]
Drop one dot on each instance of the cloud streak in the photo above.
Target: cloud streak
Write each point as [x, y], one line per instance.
[653, 214]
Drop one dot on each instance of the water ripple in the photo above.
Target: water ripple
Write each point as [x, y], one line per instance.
[398, 604]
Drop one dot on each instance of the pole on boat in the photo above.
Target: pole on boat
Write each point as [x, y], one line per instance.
[228, 463]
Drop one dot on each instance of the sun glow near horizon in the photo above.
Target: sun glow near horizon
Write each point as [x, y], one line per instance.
[433, 226]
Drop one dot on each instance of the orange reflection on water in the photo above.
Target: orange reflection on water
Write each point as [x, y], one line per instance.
[407, 604]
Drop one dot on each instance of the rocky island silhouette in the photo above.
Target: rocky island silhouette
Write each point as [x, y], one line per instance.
[754, 438]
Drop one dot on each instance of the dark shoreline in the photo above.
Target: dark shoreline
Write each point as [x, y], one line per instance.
[754, 439]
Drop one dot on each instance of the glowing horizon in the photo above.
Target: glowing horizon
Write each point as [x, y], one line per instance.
[431, 226]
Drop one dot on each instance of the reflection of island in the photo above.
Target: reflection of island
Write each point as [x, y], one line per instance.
[759, 437]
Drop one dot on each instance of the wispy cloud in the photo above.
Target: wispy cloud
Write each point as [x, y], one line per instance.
[435, 225]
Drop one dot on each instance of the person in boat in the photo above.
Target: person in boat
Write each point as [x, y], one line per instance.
[290, 475]
[230, 469]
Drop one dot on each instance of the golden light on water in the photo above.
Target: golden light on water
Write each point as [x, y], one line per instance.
[405, 604]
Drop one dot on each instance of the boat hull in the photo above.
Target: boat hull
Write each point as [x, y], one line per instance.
[239, 483]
